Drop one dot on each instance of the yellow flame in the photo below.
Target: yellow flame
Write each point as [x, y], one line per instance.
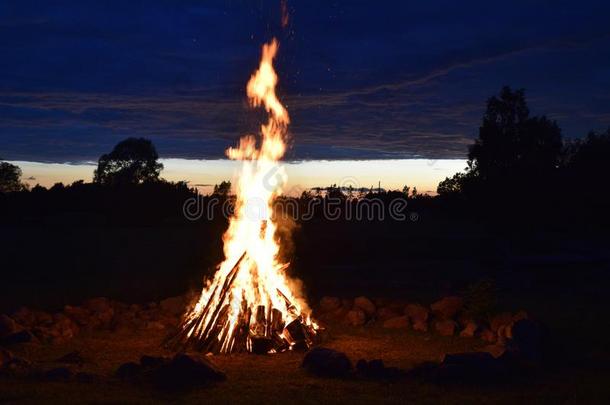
[252, 228]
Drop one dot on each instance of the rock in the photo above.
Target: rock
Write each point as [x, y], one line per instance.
[77, 314]
[447, 307]
[375, 369]
[324, 362]
[356, 317]
[504, 318]
[150, 362]
[488, 336]
[84, 377]
[25, 317]
[470, 329]
[43, 318]
[347, 303]
[385, 313]
[173, 306]
[185, 371]
[420, 326]
[23, 336]
[417, 313]
[329, 304]
[58, 374]
[469, 367]
[366, 305]
[527, 339]
[399, 322]
[98, 304]
[5, 358]
[8, 326]
[129, 371]
[71, 358]
[496, 350]
[445, 327]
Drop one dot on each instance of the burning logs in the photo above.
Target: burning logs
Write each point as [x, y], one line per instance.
[262, 331]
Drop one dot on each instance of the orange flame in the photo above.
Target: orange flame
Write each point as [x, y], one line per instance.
[260, 278]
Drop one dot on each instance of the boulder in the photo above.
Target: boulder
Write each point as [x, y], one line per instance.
[71, 358]
[399, 322]
[470, 329]
[58, 374]
[98, 304]
[469, 367]
[23, 336]
[366, 305]
[496, 350]
[185, 371]
[24, 316]
[503, 318]
[420, 326]
[385, 313]
[5, 358]
[376, 370]
[527, 339]
[129, 371]
[8, 326]
[173, 306]
[447, 307]
[78, 315]
[329, 304]
[488, 336]
[43, 318]
[445, 327]
[324, 362]
[417, 313]
[356, 317]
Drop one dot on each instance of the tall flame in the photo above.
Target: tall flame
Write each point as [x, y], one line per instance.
[250, 241]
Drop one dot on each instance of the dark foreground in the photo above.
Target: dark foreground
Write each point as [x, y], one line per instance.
[280, 378]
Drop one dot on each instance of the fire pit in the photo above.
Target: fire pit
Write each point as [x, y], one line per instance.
[251, 304]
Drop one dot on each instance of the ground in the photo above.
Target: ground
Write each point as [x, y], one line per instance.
[279, 378]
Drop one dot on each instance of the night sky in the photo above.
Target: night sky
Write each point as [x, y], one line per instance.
[361, 79]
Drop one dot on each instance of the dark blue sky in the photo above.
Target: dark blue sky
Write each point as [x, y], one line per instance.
[361, 79]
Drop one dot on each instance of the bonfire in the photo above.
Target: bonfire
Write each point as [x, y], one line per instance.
[251, 304]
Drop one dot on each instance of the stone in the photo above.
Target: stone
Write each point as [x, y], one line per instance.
[420, 326]
[473, 367]
[399, 322]
[129, 371]
[417, 313]
[71, 358]
[325, 362]
[24, 316]
[174, 306]
[329, 304]
[496, 350]
[5, 358]
[470, 329]
[366, 305]
[98, 304]
[8, 326]
[77, 314]
[347, 303]
[58, 374]
[527, 339]
[445, 327]
[356, 317]
[23, 336]
[385, 313]
[503, 318]
[376, 370]
[185, 371]
[447, 307]
[488, 335]
[153, 361]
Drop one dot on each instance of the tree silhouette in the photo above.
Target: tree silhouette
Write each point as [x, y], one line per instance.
[132, 161]
[512, 144]
[10, 178]
[223, 188]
